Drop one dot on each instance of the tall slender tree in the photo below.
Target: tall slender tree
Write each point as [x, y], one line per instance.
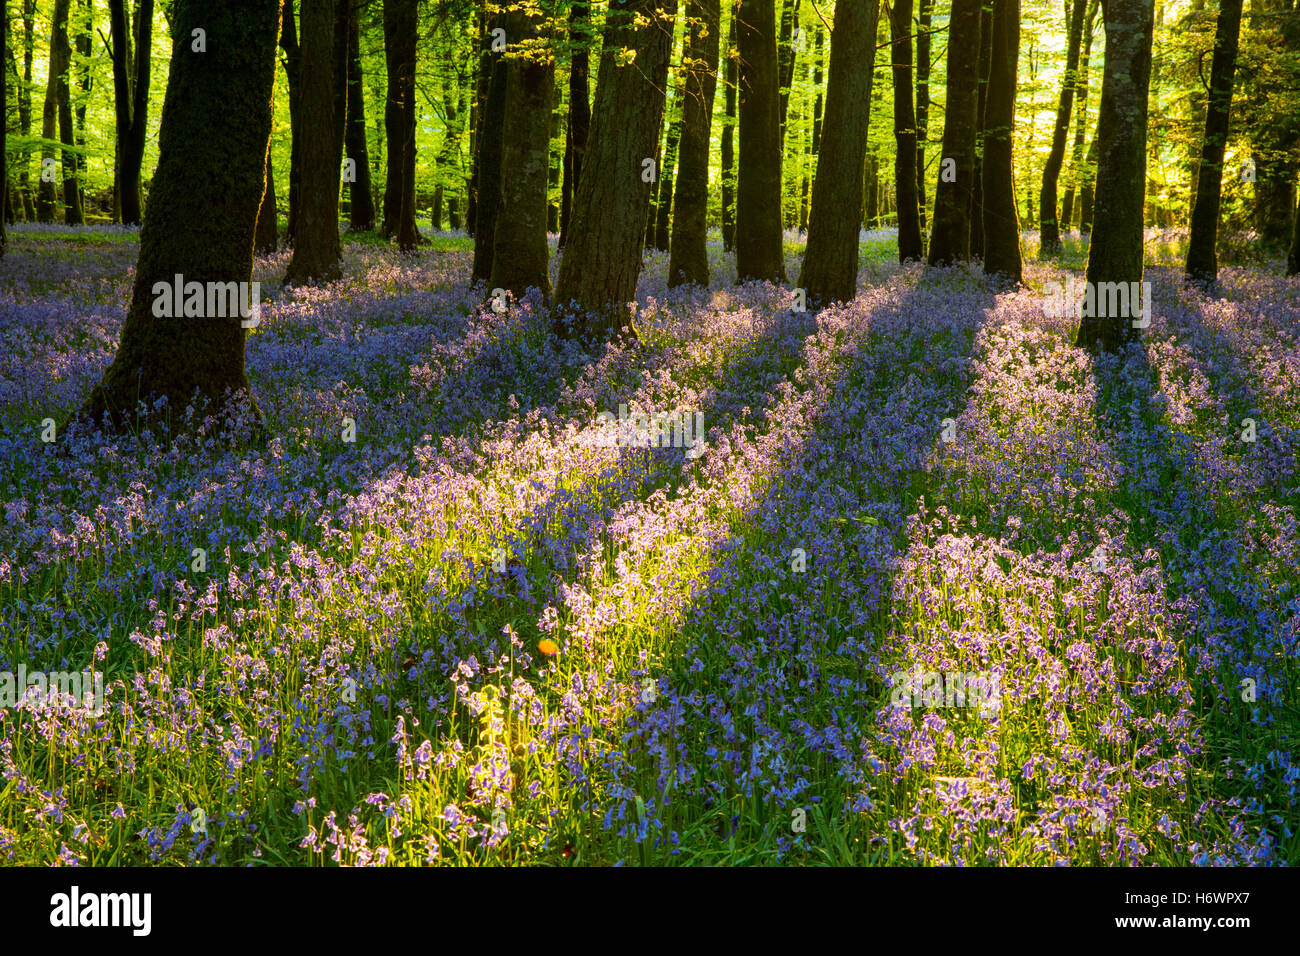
[1049, 226]
[830, 262]
[1002, 257]
[981, 106]
[130, 101]
[688, 259]
[602, 258]
[575, 133]
[1202, 254]
[400, 35]
[1068, 207]
[293, 73]
[490, 132]
[361, 202]
[727, 157]
[909, 212]
[203, 205]
[1115, 252]
[521, 258]
[759, 253]
[951, 230]
[316, 250]
[924, 23]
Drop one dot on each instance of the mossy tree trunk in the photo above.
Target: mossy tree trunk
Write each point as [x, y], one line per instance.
[1202, 253]
[688, 260]
[759, 253]
[602, 257]
[1001, 222]
[1115, 251]
[950, 232]
[830, 262]
[520, 256]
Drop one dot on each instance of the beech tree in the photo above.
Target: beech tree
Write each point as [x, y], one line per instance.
[1002, 258]
[1115, 252]
[316, 249]
[1049, 226]
[688, 259]
[400, 23]
[1202, 254]
[950, 231]
[203, 204]
[759, 253]
[130, 101]
[602, 258]
[910, 245]
[830, 262]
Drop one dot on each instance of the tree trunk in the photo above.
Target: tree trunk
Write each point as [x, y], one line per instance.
[1293, 257]
[25, 108]
[924, 19]
[130, 102]
[814, 142]
[1068, 208]
[981, 107]
[85, 83]
[203, 205]
[575, 135]
[293, 73]
[786, 58]
[950, 235]
[909, 213]
[728, 151]
[520, 257]
[4, 127]
[665, 204]
[1050, 231]
[602, 258]
[361, 202]
[491, 129]
[267, 237]
[1115, 252]
[400, 20]
[316, 250]
[688, 259]
[1089, 177]
[1202, 255]
[73, 214]
[1001, 222]
[759, 253]
[830, 262]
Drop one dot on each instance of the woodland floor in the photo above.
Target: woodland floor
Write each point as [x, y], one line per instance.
[350, 680]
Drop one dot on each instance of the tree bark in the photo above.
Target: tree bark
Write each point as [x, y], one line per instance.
[1202, 254]
[728, 151]
[688, 259]
[1001, 222]
[60, 54]
[575, 135]
[830, 262]
[316, 249]
[491, 130]
[361, 201]
[664, 206]
[981, 107]
[951, 232]
[759, 253]
[602, 258]
[924, 19]
[1115, 252]
[1086, 191]
[267, 236]
[1049, 226]
[293, 74]
[1068, 207]
[203, 205]
[909, 213]
[786, 58]
[521, 257]
[130, 101]
[400, 21]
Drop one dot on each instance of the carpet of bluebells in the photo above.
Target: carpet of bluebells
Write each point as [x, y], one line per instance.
[355, 676]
